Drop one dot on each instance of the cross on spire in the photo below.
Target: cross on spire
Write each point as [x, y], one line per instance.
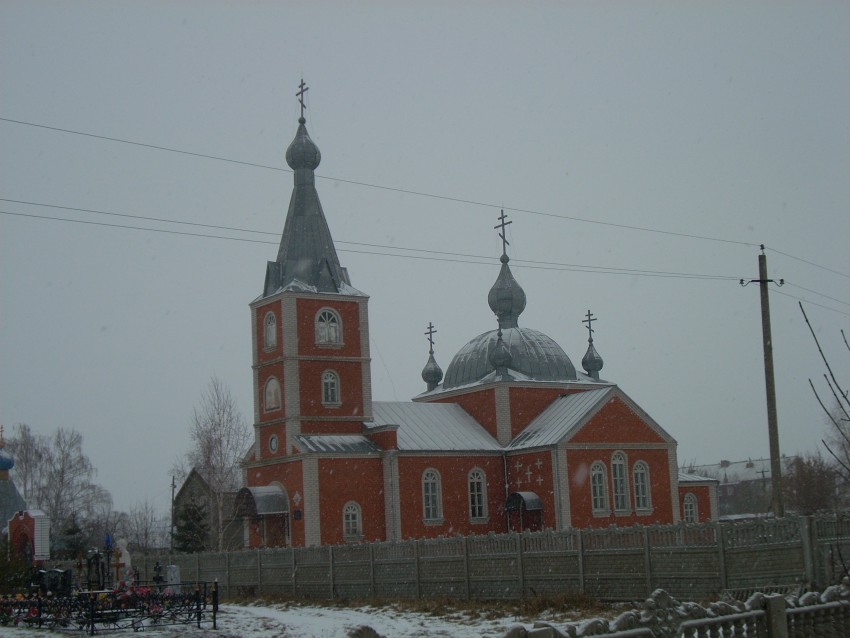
[430, 334]
[590, 319]
[502, 225]
[302, 89]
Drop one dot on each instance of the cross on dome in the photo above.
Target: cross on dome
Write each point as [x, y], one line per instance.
[590, 319]
[503, 225]
[302, 89]
[430, 332]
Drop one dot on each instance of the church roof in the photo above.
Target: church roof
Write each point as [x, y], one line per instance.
[336, 443]
[557, 421]
[433, 427]
[307, 257]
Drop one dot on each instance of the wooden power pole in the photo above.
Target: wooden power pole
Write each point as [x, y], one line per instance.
[770, 387]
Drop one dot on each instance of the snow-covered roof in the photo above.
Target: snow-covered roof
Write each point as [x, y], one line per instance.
[684, 477]
[560, 418]
[335, 443]
[735, 471]
[432, 426]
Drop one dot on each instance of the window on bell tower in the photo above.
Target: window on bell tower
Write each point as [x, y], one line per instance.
[328, 327]
[270, 331]
[330, 388]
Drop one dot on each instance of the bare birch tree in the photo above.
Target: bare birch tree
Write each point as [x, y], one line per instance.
[220, 438]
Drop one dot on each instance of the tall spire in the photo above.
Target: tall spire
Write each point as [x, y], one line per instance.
[591, 362]
[307, 257]
[506, 297]
[432, 373]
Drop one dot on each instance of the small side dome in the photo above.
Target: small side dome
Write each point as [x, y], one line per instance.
[500, 356]
[432, 373]
[592, 362]
[303, 152]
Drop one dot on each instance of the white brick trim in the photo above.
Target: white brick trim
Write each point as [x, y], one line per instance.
[311, 509]
[561, 484]
[392, 499]
[674, 481]
[503, 415]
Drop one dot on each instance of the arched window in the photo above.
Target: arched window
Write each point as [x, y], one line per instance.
[619, 482]
[352, 525]
[640, 478]
[432, 499]
[691, 513]
[330, 388]
[599, 488]
[477, 494]
[270, 331]
[271, 400]
[328, 327]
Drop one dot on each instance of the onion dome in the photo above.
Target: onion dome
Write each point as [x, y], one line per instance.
[506, 297]
[303, 152]
[432, 373]
[500, 356]
[532, 354]
[6, 460]
[591, 361]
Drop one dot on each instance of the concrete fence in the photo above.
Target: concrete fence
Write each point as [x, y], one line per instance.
[690, 562]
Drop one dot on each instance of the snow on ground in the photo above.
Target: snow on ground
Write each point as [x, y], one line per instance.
[310, 621]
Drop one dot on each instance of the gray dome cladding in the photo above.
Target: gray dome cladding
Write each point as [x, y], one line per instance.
[533, 354]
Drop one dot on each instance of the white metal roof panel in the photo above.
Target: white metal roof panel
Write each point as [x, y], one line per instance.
[557, 420]
[433, 426]
[336, 443]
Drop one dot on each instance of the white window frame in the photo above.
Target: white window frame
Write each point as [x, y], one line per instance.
[270, 331]
[268, 391]
[328, 327]
[640, 484]
[477, 484]
[620, 482]
[432, 497]
[331, 388]
[352, 521]
[690, 508]
[599, 489]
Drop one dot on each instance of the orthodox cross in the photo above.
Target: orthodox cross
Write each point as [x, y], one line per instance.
[503, 224]
[590, 319]
[430, 334]
[302, 89]
[117, 565]
[528, 474]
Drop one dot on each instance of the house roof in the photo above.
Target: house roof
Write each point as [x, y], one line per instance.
[684, 477]
[432, 426]
[734, 471]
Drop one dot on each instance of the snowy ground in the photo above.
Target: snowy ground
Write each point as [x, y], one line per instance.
[303, 621]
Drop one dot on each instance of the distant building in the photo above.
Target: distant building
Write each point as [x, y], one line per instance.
[196, 491]
[744, 487]
[513, 437]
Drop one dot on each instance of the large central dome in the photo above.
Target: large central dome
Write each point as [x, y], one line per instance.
[533, 354]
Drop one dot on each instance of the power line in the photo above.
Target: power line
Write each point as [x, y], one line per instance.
[448, 257]
[393, 189]
[470, 202]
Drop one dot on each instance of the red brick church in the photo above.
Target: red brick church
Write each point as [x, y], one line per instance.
[513, 437]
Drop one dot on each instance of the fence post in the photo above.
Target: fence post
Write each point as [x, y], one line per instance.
[372, 569]
[720, 534]
[416, 569]
[647, 561]
[777, 619]
[808, 548]
[580, 547]
[226, 573]
[519, 566]
[466, 566]
[331, 570]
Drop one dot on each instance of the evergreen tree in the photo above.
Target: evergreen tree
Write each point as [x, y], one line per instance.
[192, 528]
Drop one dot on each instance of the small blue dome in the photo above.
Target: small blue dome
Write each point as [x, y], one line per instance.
[6, 461]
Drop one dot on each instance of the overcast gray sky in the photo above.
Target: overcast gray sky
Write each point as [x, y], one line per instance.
[703, 120]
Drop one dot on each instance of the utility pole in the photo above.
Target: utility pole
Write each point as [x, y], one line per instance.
[173, 486]
[770, 387]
